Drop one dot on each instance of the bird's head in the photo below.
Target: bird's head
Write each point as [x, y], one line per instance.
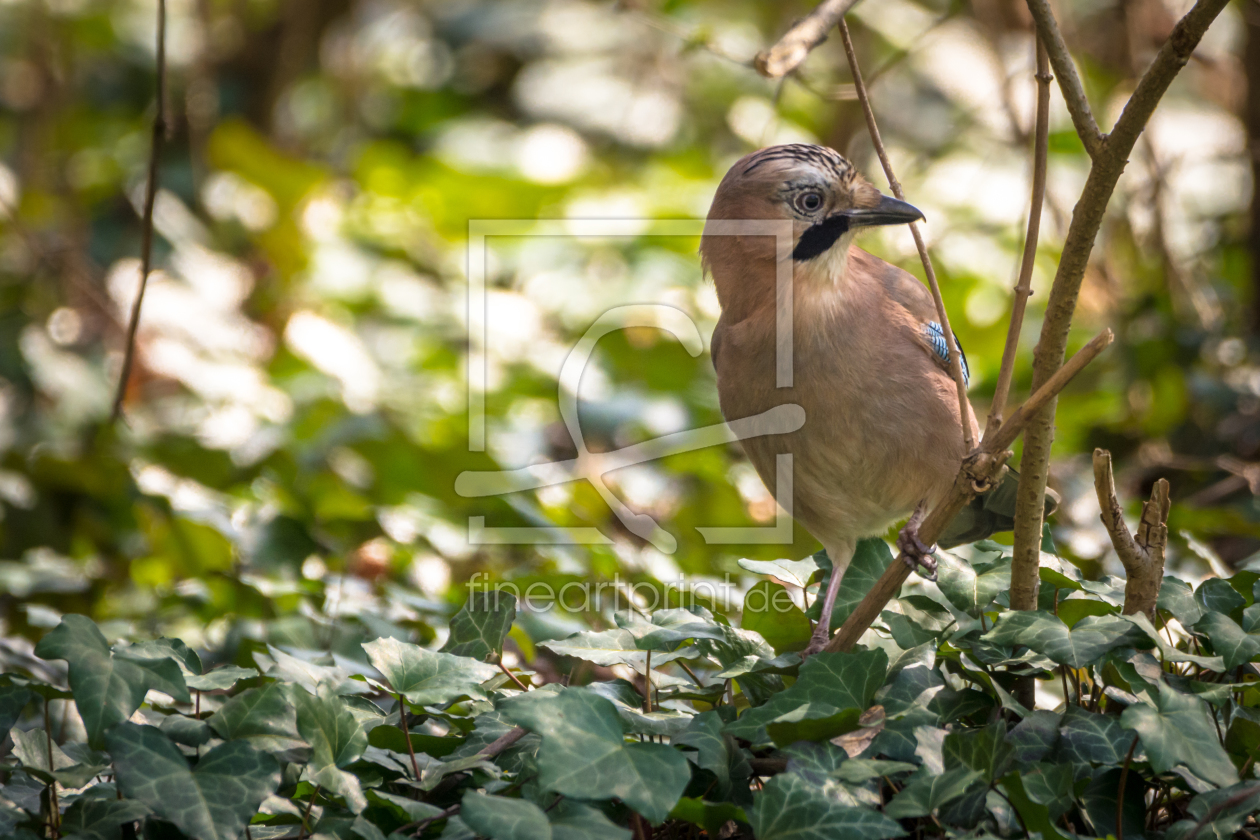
[817, 189]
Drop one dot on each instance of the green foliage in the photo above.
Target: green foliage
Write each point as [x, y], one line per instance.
[886, 741]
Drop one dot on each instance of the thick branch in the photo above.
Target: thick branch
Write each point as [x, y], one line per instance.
[955, 355]
[1086, 220]
[1023, 288]
[1069, 81]
[979, 471]
[1143, 558]
[807, 33]
[150, 193]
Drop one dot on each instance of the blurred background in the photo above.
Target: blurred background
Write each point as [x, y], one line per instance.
[298, 411]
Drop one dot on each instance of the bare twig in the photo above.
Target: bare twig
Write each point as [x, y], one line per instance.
[304, 829]
[807, 33]
[150, 193]
[1109, 162]
[1069, 81]
[1023, 288]
[1143, 558]
[955, 356]
[406, 731]
[512, 677]
[503, 742]
[979, 470]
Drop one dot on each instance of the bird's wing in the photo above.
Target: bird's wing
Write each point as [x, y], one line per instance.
[905, 290]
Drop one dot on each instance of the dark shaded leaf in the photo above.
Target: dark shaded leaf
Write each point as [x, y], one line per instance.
[481, 625]
[790, 807]
[832, 689]
[426, 677]
[1179, 730]
[213, 802]
[1076, 647]
[584, 755]
[108, 687]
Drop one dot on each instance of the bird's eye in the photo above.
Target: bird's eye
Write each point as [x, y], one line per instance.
[809, 202]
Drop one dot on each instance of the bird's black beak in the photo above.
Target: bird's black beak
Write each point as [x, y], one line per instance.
[819, 238]
[889, 211]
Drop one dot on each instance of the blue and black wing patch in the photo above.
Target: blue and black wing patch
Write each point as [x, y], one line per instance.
[936, 339]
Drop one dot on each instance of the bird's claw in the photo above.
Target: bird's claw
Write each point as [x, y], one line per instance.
[914, 552]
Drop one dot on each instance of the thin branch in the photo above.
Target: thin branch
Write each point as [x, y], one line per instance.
[512, 677]
[808, 32]
[1023, 288]
[955, 355]
[406, 731]
[1087, 217]
[1143, 558]
[1069, 81]
[503, 742]
[979, 471]
[150, 193]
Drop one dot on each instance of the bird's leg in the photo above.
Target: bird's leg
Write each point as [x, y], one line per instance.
[822, 630]
[840, 553]
[913, 550]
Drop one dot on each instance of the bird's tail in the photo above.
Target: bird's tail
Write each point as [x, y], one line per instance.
[990, 513]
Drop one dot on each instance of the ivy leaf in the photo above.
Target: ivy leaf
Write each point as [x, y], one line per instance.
[334, 733]
[1226, 821]
[923, 795]
[986, 750]
[1050, 785]
[832, 690]
[501, 818]
[1229, 641]
[1092, 738]
[481, 625]
[667, 628]
[1216, 595]
[164, 648]
[790, 807]
[220, 679]
[972, 589]
[13, 699]
[32, 748]
[869, 561]
[1178, 730]
[96, 816]
[769, 611]
[107, 686]
[1176, 597]
[212, 802]
[716, 751]
[611, 647]
[263, 716]
[584, 754]
[797, 572]
[426, 677]
[1048, 635]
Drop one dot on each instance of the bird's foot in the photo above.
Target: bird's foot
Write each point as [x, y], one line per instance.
[817, 641]
[914, 552]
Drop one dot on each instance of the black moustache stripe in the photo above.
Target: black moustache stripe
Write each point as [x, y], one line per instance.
[818, 238]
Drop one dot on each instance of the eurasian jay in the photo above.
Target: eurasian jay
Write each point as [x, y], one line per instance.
[882, 436]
